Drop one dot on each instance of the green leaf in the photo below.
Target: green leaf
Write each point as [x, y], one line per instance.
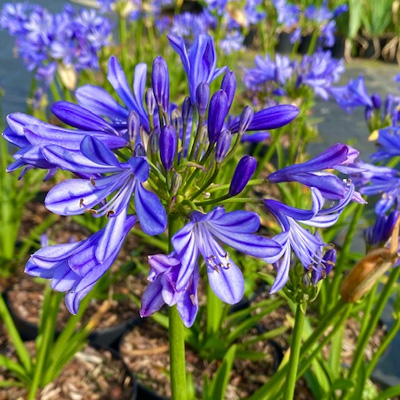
[220, 380]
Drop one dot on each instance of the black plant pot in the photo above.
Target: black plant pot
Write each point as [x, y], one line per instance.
[339, 47]
[305, 43]
[104, 338]
[284, 46]
[143, 393]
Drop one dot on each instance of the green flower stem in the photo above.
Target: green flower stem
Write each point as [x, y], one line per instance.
[251, 182]
[373, 321]
[226, 199]
[122, 40]
[44, 342]
[295, 351]
[196, 138]
[176, 332]
[277, 380]
[208, 182]
[313, 42]
[20, 348]
[214, 312]
[383, 346]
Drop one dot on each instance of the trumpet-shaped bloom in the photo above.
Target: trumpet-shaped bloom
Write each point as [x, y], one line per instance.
[162, 289]
[32, 136]
[308, 247]
[389, 144]
[199, 63]
[338, 157]
[76, 267]
[100, 102]
[76, 196]
[203, 236]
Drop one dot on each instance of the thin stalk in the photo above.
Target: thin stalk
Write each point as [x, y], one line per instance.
[176, 333]
[313, 42]
[45, 343]
[196, 138]
[122, 39]
[295, 352]
[214, 312]
[383, 346]
[208, 182]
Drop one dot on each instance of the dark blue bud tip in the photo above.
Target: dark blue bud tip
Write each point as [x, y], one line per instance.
[246, 117]
[160, 82]
[243, 173]
[168, 142]
[223, 145]
[202, 96]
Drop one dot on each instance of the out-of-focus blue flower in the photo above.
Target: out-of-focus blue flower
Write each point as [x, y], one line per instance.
[288, 14]
[307, 246]
[162, 289]
[318, 14]
[352, 95]
[189, 25]
[372, 180]
[340, 10]
[388, 143]
[71, 37]
[310, 173]
[76, 267]
[233, 41]
[320, 71]
[254, 13]
[378, 234]
[203, 235]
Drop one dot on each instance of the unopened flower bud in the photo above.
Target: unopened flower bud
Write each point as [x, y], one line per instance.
[376, 101]
[223, 145]
[150, 101]
[245, 119]
[216, 115]
[176, 183]
[139, 151]
[243, 172]
[202, 96]
[228, 85]
[154, 140]
[368, 113]
[366, 273]
[388, 104]
[167, 146]
[160, 81]
[176, 119]
[133, 125]
[186, 110]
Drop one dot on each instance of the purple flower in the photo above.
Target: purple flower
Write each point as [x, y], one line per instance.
[307, 246]
[100, 102]
[162, 289]
[32, 136]
[353, 95]
[243, 173]
[310, 172]
[76, 267]
[232, 42]
[288, 14]
[199, 63]
[388, 142]
[321, 270]
[76, 196]
[320, 71]
[203, 235]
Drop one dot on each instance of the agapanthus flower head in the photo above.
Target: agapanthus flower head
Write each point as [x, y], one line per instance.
[388, 143]
[288, 14]
[71, 37]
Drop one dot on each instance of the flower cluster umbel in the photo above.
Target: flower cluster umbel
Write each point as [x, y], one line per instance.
[146, 160]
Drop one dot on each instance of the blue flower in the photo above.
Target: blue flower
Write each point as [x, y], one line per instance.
[310, 173]
[233, 41]
[100, 102]
[76, 196]
[203, 235]
[288, 14]
[352, 95]
[76, 267]
[32, 136]
[307, 246]
[162, 289]
[388, 142]
[199, 63]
